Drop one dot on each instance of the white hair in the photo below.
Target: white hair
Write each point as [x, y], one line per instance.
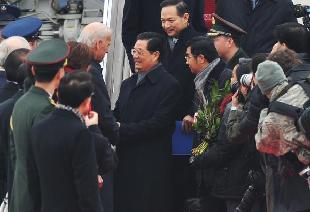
[10, 44]
[92, 32]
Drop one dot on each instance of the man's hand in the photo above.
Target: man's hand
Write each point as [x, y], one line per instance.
[91, 118]
[187, 123]
[234, 100]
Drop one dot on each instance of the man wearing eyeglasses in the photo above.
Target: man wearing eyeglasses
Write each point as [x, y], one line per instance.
[146, 110]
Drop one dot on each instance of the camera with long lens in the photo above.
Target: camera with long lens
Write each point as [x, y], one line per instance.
[253, 192]
[302, 11]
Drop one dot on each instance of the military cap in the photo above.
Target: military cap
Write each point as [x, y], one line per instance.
[49, 52]
[9, 12]
[226, 28]
[25, 27]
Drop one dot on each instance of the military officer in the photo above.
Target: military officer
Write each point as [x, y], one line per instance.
[226, 36]
[47, 62]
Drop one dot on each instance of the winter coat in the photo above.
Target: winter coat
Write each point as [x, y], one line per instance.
[175, 64]
[65, 159]
[258, 23]
[277, 134]
[146, 112]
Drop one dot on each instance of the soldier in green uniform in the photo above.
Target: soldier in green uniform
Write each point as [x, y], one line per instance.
[47, 62]
[226, 36]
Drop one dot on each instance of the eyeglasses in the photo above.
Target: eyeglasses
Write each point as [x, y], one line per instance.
[139, 52]
[187, 57]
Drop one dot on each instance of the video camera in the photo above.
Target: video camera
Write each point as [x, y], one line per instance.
[302, 11]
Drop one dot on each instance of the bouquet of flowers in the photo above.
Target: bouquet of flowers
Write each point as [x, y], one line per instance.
[208, 117]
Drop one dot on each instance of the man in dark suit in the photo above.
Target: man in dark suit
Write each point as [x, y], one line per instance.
[258, 18]
[175, 22]
[146, 112]
[16, 71]
[47, 61]
[144, 16]
[63, 146]
[9, 88]
[98, 37]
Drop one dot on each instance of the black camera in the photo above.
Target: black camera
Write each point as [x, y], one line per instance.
[253, 192]
[302, 11]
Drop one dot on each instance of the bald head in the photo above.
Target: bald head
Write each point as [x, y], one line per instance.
[93, 32]
[10, 44]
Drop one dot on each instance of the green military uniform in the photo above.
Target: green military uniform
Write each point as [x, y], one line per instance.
[223, 27]
[32, 107]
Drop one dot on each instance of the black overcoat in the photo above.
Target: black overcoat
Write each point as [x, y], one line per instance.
[65, 160]
[8, 90]
[144, 16]
[175, 64]
[258, 23]
[102, 105]
[107, 123]
[146, 113]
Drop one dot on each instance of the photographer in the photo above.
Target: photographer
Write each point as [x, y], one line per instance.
[241, 121]
[278, 137]
[286, 35]
[231, 161]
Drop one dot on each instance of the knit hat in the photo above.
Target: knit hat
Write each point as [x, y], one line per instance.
[268, 75]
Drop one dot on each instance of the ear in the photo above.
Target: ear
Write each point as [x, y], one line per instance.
[186, 17]
[157, 54]
[33, 71]
[97, 45]
[85, 106]
[59, 74]
[201, 59]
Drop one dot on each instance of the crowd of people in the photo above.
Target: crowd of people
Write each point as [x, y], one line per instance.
[63, 147]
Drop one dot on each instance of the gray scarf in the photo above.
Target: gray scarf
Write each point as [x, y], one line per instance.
[73, 110]
[201, 79]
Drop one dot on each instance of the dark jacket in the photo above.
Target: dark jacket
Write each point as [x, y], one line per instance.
[233, 160]
[65, 160]
[102, 105]
[205, 177]
[8, 90]
[235, 59]
[144, 16]
[146, 112]
[258, 23]
[2, 78]
[32, 107]
[301, 71]
[219, 74]
[286, 191]
[176, 65]
[248, 125]
[6, 177]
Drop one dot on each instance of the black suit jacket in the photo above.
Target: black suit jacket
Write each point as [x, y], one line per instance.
[175, 64]
[6, 173]
[144, 16]
[258, 23]
[65, 160]
[102, 105]
[8, 90]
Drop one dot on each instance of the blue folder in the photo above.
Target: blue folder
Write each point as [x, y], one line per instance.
[182, 143]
